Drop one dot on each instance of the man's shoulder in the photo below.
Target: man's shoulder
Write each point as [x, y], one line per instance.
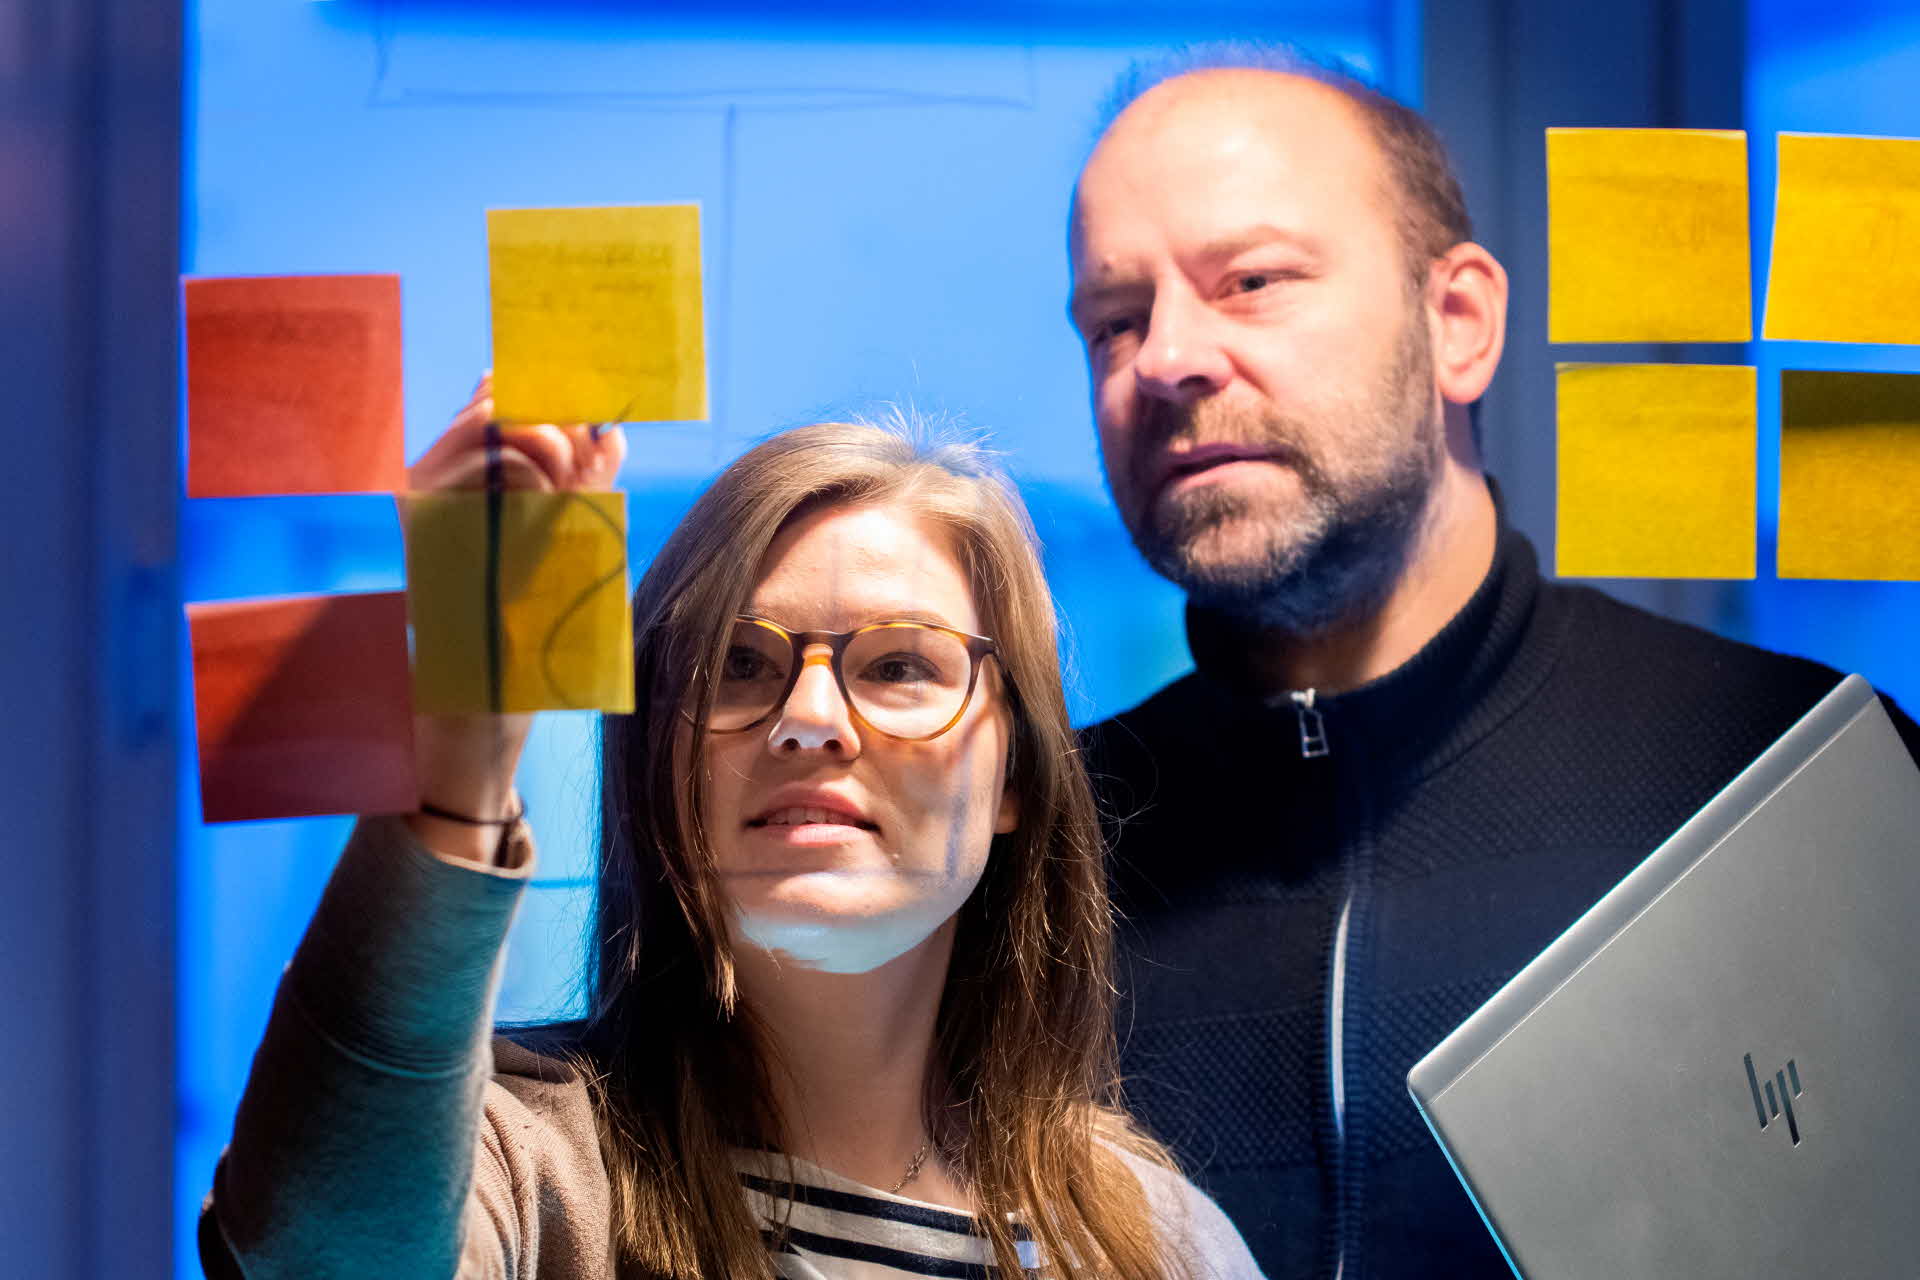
[1169, 708]
[1170, 729]
[1626, 652]
[1589, 661]
[1614, 651]
[1657, 671]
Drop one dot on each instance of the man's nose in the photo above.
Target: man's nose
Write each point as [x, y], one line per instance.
[815, 717]
[1181, 356]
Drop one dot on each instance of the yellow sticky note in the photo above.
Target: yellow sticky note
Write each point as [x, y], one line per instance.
[1647, 236]
[596, 314]
[1657, 470]
[518, 601]
[1846, 240]
[1849, 475]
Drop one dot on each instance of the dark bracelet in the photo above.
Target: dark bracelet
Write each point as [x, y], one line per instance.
[435, 811]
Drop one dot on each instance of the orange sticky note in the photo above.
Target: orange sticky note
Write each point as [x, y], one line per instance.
[303, 706]
[1849, 475]
[293, 385]
[1656, 476]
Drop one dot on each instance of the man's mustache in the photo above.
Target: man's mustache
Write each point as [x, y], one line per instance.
[1211, 422]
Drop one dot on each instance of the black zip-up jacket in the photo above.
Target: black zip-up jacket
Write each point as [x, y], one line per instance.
[1316, 890]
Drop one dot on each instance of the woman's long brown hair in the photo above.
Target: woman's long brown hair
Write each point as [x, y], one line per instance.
[1027, 1110]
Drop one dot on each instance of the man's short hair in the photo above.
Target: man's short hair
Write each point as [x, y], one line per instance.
[1430, 212]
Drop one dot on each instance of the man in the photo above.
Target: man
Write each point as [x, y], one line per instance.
[1404, 763]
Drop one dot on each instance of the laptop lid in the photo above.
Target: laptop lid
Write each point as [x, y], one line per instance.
[1711, 1073]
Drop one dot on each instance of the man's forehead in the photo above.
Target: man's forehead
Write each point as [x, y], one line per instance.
[1226, 148]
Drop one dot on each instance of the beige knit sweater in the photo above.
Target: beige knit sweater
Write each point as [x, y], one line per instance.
[386, 1132]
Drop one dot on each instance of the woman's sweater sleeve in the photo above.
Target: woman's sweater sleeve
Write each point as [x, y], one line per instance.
[353, 1147]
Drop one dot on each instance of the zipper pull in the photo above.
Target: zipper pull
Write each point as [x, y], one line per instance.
[1313, 729]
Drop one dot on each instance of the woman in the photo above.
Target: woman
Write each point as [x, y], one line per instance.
[850, 1011]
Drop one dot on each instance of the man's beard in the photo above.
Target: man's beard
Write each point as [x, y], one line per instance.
[1339, 554]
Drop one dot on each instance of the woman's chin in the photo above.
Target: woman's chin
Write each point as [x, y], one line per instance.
[833, 933]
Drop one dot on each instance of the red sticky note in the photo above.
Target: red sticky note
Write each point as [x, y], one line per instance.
[304, 706]
[293, 386]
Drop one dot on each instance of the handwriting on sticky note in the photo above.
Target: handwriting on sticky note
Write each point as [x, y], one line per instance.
[1846, 240]
[519, 601]
[1849, 475]
[1656, 472]
[303, 706]
[597, 314]
[293, 385]
[1647, 236]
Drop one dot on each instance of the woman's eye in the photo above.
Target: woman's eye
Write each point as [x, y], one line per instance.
[900, 668]
[744, 664]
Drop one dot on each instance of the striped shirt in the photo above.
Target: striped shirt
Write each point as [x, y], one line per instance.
[839, 1229]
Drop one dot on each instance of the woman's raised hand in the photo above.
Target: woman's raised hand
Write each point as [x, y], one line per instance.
[466, 763]
[543, 457]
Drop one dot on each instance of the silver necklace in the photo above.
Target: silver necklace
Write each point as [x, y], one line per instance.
[913, 1167]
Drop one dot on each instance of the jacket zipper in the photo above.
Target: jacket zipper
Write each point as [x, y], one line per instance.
[1336, 1058]
[1313, 729]
[1314, 746]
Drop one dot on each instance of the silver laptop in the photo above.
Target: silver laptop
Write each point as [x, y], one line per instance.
[1716, 1070]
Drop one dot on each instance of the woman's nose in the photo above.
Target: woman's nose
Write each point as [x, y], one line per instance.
[815, 717]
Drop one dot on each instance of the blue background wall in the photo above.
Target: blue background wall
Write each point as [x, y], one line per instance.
[884, 202]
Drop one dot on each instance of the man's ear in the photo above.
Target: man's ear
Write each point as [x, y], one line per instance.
[1467, 306]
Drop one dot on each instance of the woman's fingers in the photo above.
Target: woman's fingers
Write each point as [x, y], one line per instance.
[597, 458]
[530, 456]
[473, 469]
[482, 390]
[550, 447]
[570, 455]
[466, 434]
[613, 451]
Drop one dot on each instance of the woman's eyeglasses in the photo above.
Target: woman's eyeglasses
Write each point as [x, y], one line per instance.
[907, 680]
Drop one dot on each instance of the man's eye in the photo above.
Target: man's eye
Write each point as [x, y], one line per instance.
[1258, 281]
[1113, 327]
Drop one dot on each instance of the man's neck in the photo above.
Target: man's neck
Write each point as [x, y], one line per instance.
[1452, 552]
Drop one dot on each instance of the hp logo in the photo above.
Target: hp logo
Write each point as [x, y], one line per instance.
[1770, 1110]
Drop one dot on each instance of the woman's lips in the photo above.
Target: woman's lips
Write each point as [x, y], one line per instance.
[809, 825]
[808, 815]
[809, 835]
